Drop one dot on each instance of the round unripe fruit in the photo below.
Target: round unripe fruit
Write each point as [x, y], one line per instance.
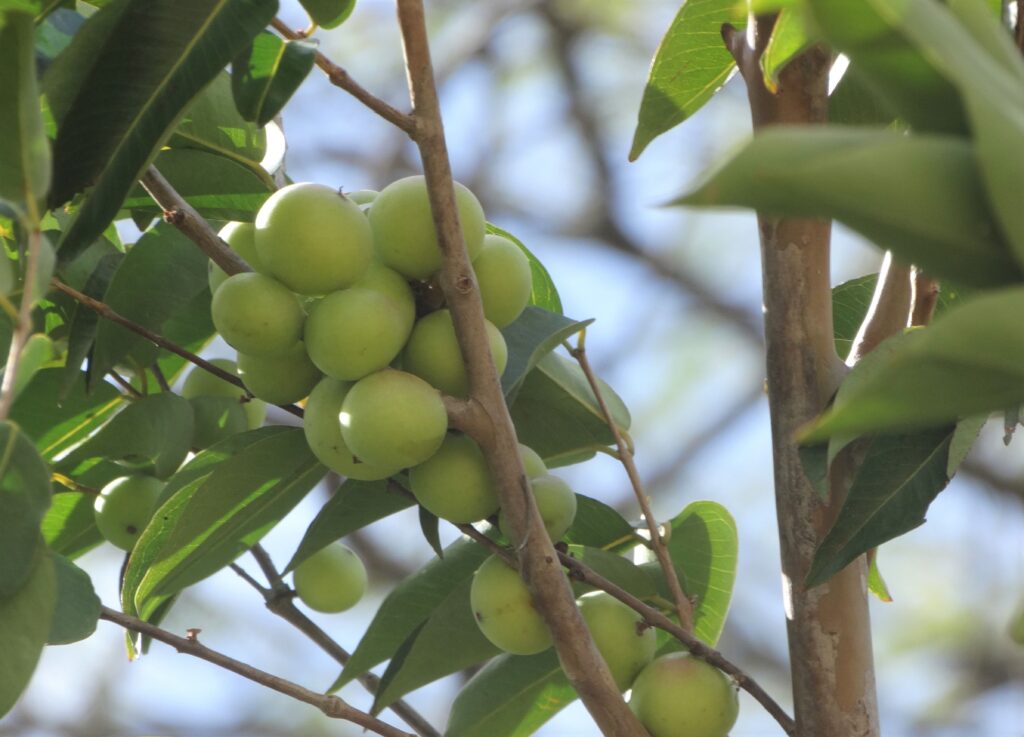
[241, 238]
[433, 354]
[313, 239]
[124, 508]
[556, 503]
[216, 419]
[257, 315]
[393, 419]
[504, 611]
[533, 464]
[201, 383]
[281, 379]
[455, 483]
[620, 635]
[363, 196]
[355, 332]
[323, 433]
[678, 695]
[331, 580]
[403, 227]
[389, 282]
[504, 277]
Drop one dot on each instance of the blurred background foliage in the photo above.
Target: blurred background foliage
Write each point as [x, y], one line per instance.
[540, 101]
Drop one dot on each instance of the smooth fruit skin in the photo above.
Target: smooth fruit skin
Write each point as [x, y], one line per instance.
[678, 695]
[216, 419]
[355, 332]
[624, 643]
[403, 226]
[533, 464]
[433, 354]
[282, 379]
[331, 580]
[393, 419]
[257, 315]
[555, 501]
[505, 280]
[242, 239]
[455, 483]
[201, 383]
[363, 196]
[313, 239]
[388, 281]
[124, 508]
[504, 611]
[323, 433]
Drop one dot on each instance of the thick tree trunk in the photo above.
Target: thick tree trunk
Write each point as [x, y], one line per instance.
[829, 626]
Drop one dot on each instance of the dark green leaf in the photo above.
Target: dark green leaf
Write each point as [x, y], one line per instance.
[897, 480]
[190, 327]
[429, 526]
[77, 609]
[38, 351]
[212, 123]
[353, 506]
[24, 499]
[85, 322]
[617, 569]
[266, 74]
[329, 13]
[815, 462]
[24, 625]
[598, 525]
[919, 196]
[543, 294]
[141, 62]
[854, 102]
[69, 527]
[534, 334]
[964, 437]
[690, 66]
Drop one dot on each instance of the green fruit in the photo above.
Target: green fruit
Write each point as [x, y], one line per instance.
[432, 353]
[505, 280]
[355, 332]
[201, 383]
[403, 226]
[389, 282]
[363, 196]
[532, 462]
[313, 239]
[323, 433]
[331, 580]
[678, 695]
[393, 419]
[281, 379]
[257, 315]
[455, 483]
[556, 503]
[625, 643]
[504, 610]
[241, 238]
[124, 508]
[216, 419]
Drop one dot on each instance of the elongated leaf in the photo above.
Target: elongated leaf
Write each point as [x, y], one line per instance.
[38, 351]
[24, 498]
[964, 437]
[78, 608]
[24, 625]
[353, 506]
[24, 150]
[534, 334]
[190, 327]
[598, 525]
[212, 123]
[855, 102]
[84, 321]
[328, 13]
[877, 584]
[142, 63]
[543, 293]
[690, 66]
[897, 480]
[69, 527]
[969, 361]
[410, 604]
[267, 73]
[615, 568]
[207, 524]
[789, 39]
[919, 196]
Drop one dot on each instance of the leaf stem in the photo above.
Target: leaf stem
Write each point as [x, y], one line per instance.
[23, 326]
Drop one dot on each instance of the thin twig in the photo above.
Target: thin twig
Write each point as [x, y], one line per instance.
[71, 485]
[23, 326]
[332, 706]
[105, 311]
[340, 78]
[889, 311]
[125, 384]
[481, 539]
[926, 297]
[160, 378]
[683, 606]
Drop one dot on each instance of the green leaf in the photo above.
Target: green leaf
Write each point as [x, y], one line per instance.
[191, 327]
[533, 335]
[430, 527]
[267, 73]
[38, 351]
[919, 196]
[969, 361]
[615, 568]
[790, 38]
[24, 149]
[511, 696]
[329, 13]
[211, 520]
[897, 480]
[24, 499]
[410, 604]
[141, 62]
[704, 546]
[84, 321]
[543, 293]
[158, 277]
[877, 584]
[24, 625]
[69, 527]
[855, 102]
[689, 67]
[78, 608]
[352, 507]
[964, 437]
[599, 526]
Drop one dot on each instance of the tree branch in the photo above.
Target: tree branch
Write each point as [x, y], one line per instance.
[332, 706]
[926, 297]
[23, 325]
[889, 311]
